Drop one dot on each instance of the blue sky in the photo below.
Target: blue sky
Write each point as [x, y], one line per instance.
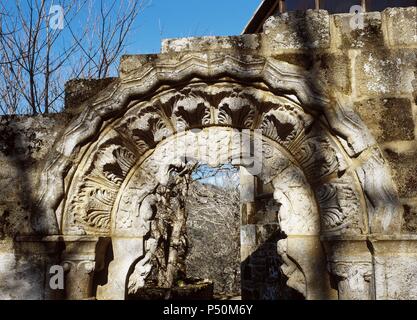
[188, 18]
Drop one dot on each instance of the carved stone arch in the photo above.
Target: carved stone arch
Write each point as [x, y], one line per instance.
[316, 152]
[132, 139]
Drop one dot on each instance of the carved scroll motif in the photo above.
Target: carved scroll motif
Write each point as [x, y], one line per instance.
[340, 206]
[317, 157]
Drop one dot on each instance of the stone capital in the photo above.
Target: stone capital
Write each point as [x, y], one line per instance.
[350, 262]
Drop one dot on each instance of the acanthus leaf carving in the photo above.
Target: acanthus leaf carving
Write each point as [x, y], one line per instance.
[236, 111]
[146, 126]
[191, 111]
[92, 205]
[286, 124]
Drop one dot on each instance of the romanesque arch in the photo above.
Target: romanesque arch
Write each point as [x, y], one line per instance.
[326, 171]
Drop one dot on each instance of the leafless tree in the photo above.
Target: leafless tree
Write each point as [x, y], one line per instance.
[36, 59]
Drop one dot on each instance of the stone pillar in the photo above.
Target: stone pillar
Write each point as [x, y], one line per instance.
[83, 255]
[126, 252]
[248, 238]
[350, 263]
[395, 265]
[308, 273]
[247, 196]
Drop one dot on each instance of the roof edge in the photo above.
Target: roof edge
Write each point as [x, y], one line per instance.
[263, 11]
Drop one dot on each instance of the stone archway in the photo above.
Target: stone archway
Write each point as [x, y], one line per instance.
[320, 159]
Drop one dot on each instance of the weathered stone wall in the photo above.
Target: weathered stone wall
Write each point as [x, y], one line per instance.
[24, 141]
[374, 68]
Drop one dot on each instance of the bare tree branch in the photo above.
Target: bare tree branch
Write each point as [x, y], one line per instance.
[36, 60]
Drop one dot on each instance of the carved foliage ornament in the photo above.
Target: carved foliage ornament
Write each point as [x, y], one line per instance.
[278, 76]
[135, 140]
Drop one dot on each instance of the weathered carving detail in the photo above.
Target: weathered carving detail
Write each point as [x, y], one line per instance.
[296, 278]
[143, 267]
[340, 207]
[354, 279]
[154, 125]
[116, 189]
[84, 266]
[237, 112]
[91, 206]
[285, 124]
[385, 208]
[274, 162]
[298, 214]
[146, 126]
[134, 207]
[146, 214]
[317, 157]
[333, 214]
[354, 135]
[191, 111]
[298, 157]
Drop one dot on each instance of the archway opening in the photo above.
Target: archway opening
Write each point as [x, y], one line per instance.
[195, 236]
[213, 229]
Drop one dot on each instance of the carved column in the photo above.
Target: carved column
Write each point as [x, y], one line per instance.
[248, 229]
[247, 196]
[83, 255]
[305, 267]
[350, 264]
